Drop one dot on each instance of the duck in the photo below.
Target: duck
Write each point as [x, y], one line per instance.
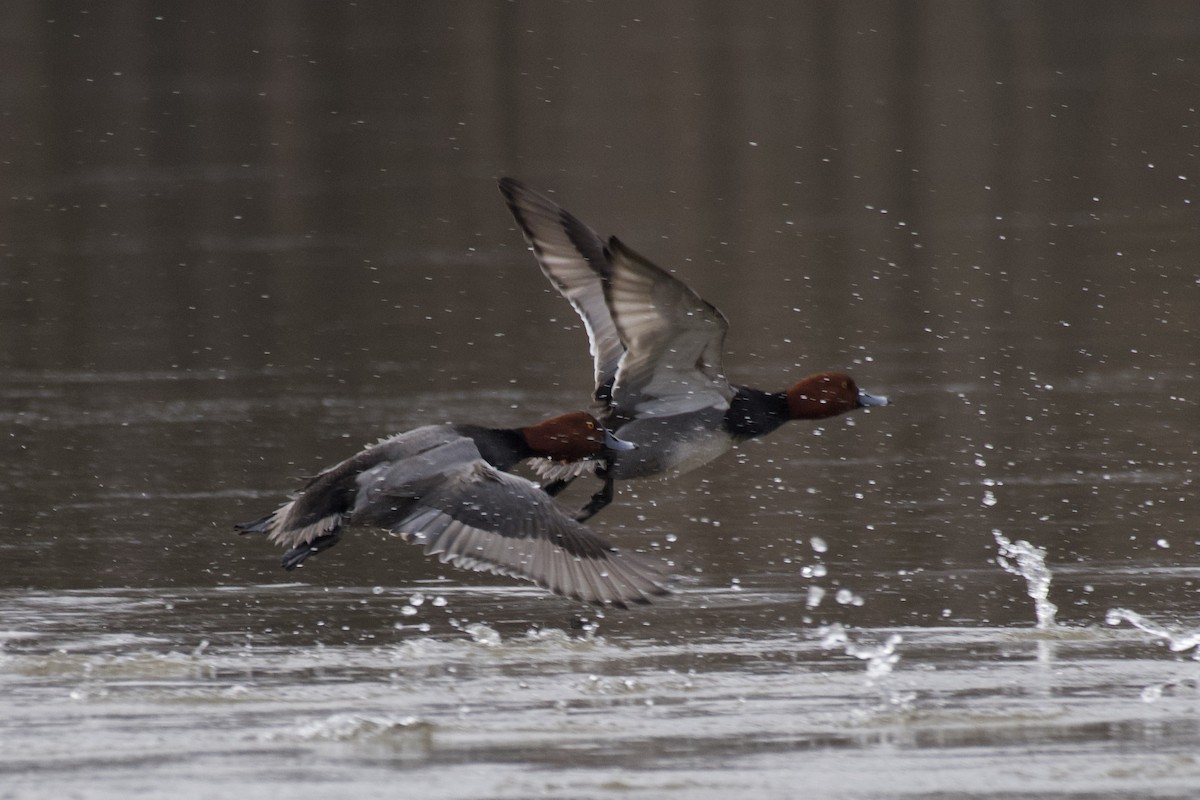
[449, 488]
[656, 350]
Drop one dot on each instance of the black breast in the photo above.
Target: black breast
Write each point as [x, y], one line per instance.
[503, 449]
[754, 413]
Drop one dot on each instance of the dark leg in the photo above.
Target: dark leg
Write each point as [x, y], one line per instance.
[599, 500]
[295, 557]
[553, 488]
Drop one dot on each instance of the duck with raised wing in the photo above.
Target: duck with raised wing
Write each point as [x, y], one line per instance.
[656, 349]
[447, 487]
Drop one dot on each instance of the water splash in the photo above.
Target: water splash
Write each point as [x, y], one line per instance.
[880, 658]
[1177, 641]
[816, 592]
[350, 727]
[483, 634]
[403, 737]
[1030, 565]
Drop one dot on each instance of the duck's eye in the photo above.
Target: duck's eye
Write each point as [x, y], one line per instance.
[845, 384]
[591, 426]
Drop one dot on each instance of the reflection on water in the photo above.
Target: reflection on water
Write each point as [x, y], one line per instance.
[240, 243]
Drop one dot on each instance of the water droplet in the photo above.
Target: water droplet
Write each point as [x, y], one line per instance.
[482, 634]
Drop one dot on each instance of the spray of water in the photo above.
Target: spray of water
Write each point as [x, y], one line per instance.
[880, 658]
[1177, 641]
[1029, 562]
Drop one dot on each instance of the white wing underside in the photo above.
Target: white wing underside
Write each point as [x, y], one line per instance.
[655, 338]
[573, 258]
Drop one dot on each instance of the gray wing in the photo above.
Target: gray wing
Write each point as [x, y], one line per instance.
[476, 517]
[329, 498]
[576, 262]
[673, 340]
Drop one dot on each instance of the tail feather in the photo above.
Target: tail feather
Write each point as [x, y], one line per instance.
[281, 528]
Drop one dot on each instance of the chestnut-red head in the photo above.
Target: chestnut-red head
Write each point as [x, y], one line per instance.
[571, 437]
[828, 394]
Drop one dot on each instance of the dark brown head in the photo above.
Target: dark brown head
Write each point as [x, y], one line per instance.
[828, 394]
[571, 437]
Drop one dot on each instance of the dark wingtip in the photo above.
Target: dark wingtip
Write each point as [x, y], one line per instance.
[260, 525]
[509, 187]
[624, 603]
[295, 557]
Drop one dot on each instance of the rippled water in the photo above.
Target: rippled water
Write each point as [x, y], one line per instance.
[192, 692]
[239, 243]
